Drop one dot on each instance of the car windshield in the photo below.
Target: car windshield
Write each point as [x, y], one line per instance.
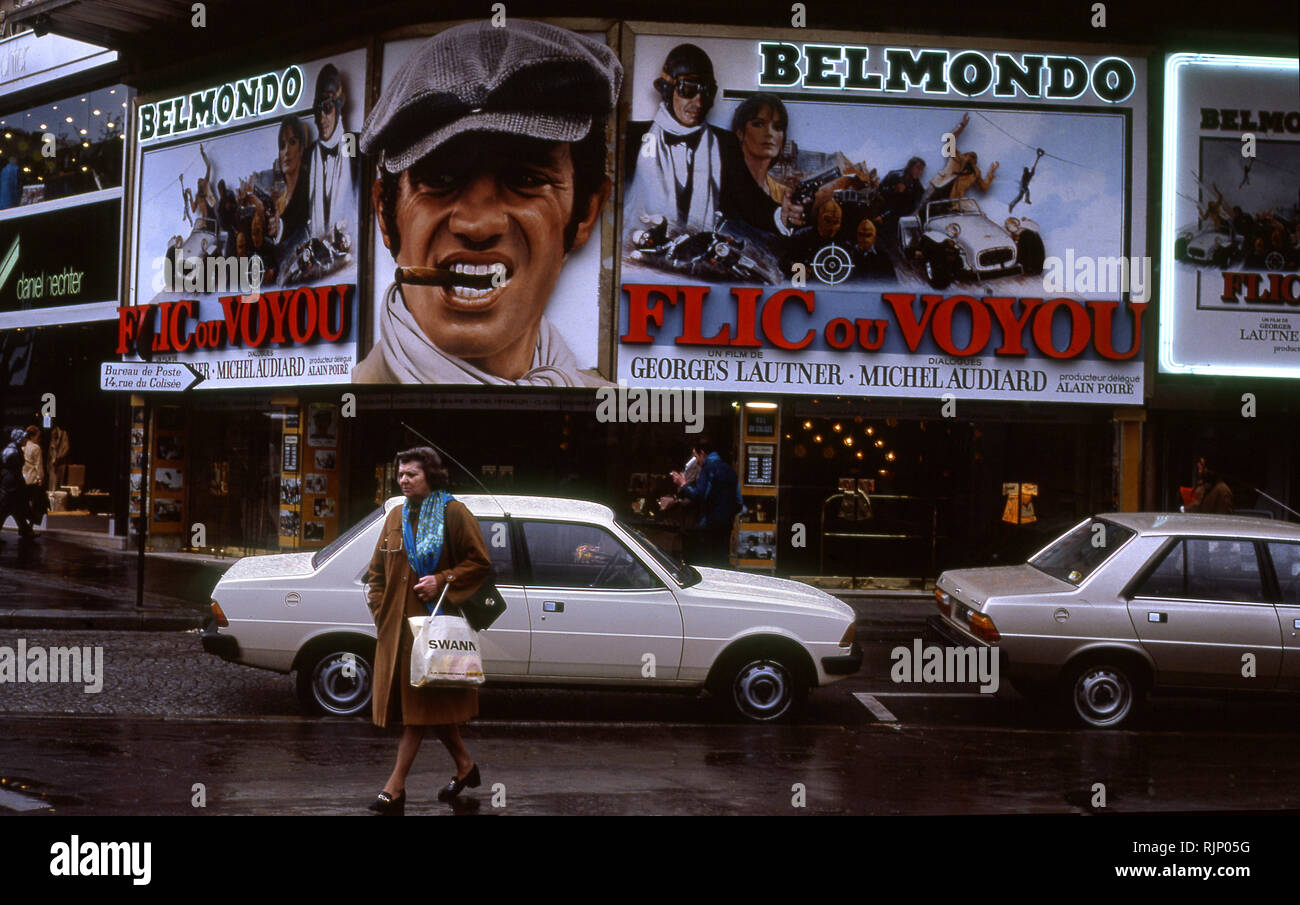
[1076, 554]
[324, 553]
[959, 206]
[683, 573]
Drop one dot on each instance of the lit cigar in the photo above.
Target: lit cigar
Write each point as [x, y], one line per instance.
[441, 276]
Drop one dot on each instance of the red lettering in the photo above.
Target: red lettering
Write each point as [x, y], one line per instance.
[1231, 286]
[130, 319]
[907, 322]
[864, 333]
[1291, 288]
[746, 322]
[161, 337]
[234, 311]
[1080, 327]
[774, 307]
[262, 323]
[322, 311]
[181, 312]
[278, 302]
[980, 326]
[1104, 313]
[693, 320]
[839, 333]
[640, 312]
[1013, 328]
[302, 323]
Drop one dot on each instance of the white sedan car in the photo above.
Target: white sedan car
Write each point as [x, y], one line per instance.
[589, 601]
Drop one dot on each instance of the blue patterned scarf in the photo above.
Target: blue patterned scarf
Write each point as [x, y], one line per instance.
[424, 551]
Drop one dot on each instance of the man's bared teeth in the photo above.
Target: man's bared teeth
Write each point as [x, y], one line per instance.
[479, 270]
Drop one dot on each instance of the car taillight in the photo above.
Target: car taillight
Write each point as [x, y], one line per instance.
[982, 626]
[222, 621]
[944, 602]
[849, 634]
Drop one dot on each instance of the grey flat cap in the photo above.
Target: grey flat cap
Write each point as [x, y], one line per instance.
[526, 78]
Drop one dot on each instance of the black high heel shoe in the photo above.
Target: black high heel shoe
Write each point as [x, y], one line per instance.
[389, 806]
[452, 789]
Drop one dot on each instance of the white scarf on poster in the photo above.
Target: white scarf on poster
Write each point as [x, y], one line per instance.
[412, 358]
[329, 183]
[657, 184]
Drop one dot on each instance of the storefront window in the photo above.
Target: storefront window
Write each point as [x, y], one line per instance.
[64, 148]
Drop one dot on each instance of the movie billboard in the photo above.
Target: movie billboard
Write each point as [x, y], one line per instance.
[883, 217]
[246, 217]
[1231, 216]
[506, 289]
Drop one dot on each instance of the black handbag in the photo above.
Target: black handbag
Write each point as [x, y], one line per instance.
[485, 607]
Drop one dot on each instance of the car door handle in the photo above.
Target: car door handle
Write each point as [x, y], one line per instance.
[552, 606]
[1157, 617]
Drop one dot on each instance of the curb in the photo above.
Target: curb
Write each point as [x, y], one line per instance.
[89, 619]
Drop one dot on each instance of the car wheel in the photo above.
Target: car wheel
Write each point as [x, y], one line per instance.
[763, 688]
[1031, 253]
[1103, 695]
[938, 272]
[336, 681]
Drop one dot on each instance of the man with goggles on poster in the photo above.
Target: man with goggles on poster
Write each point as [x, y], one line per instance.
[679, 159]
[331, 172]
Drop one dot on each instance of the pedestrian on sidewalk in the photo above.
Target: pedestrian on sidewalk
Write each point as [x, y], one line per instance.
[14, 499]
[717, 493]
[430, 541]
[34, 475]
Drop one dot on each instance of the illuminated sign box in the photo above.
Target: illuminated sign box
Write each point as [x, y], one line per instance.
[1230, 217]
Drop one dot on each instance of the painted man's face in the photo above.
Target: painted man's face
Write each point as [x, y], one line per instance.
[828, 220]
[328, 113]
[495, 206]
[866, 235]
[689, 111]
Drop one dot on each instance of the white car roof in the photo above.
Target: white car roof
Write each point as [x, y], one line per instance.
[1238, 526]
[526, 506]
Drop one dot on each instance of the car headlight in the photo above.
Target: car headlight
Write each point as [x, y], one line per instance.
[953, 230]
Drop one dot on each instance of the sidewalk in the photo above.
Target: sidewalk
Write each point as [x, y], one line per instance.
[67, 582]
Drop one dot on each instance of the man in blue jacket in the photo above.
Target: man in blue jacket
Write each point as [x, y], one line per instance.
[717, 492]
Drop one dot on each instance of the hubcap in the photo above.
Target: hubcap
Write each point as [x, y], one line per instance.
[1103, 695]
[763, 690]
[341, 682]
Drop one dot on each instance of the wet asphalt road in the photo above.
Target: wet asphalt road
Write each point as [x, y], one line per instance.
[170, 716]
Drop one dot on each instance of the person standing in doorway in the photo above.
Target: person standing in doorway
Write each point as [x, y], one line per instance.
[428, 543]
[34, 475]
[14, 499]
[717, 491]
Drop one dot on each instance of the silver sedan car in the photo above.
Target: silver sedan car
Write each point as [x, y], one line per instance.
[1125, 603]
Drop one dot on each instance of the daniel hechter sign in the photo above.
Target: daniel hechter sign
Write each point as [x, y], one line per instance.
[166, 376]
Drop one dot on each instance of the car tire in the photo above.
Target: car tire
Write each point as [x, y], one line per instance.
[1031, 253]
[761, 687]
[1103, 694]
[325, 688]
[937, 267]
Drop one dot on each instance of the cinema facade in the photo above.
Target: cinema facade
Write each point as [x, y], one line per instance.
[887, 421]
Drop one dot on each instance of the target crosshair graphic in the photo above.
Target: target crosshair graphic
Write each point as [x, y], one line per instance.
[832, 265]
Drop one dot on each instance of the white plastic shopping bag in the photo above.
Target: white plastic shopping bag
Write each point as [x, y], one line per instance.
[446, 650]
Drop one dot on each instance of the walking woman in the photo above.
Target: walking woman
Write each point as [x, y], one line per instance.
[430, 541]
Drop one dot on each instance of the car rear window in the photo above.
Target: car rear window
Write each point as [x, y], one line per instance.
[1076, 554]
[324, 553]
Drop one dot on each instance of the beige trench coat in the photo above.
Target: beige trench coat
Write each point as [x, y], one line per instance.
[390, 593]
